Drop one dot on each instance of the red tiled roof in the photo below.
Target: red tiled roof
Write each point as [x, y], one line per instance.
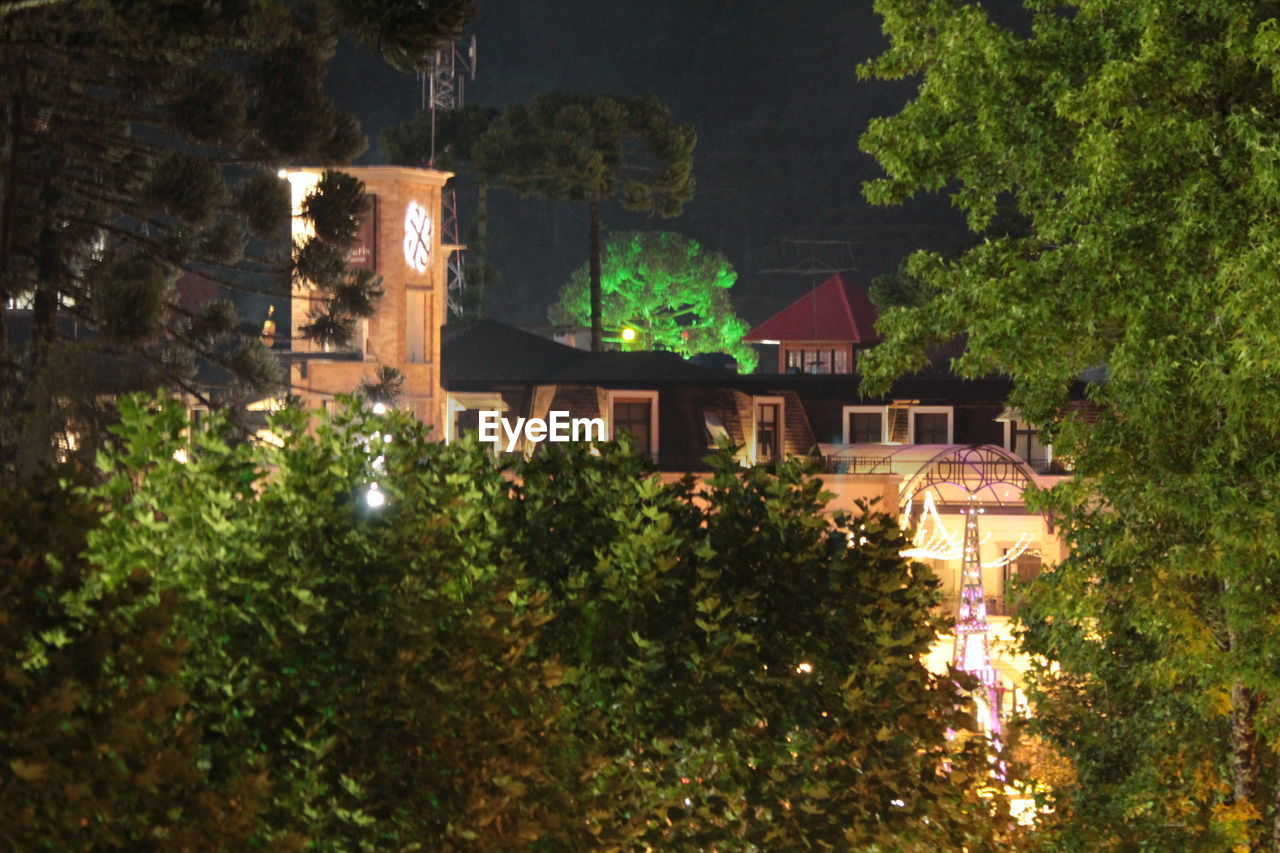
[836, 310]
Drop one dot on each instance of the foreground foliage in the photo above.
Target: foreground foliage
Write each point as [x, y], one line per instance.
[559, 654]
[1134, 141]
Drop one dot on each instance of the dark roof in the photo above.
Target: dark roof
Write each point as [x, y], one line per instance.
[488, 351]
[836, 310]
[485, 350]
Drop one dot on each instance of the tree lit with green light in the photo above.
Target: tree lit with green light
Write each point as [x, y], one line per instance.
[668, 290]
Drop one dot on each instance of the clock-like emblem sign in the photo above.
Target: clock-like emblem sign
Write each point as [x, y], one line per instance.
[417, 237]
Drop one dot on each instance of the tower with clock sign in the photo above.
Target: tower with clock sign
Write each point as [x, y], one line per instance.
[400, 242]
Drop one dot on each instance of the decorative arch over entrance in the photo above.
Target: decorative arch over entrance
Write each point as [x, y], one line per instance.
[951, 474]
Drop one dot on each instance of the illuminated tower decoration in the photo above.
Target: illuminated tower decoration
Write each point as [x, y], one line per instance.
[972, 650]
[400, 241]
[443, 89]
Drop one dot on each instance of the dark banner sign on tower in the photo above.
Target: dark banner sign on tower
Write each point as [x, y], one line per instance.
[364, 253]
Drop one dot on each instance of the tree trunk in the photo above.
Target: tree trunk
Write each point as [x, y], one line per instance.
[481, 264]
[593, 249]
[6, 225]
[1244, 757]
[1275, 818]
[1244, 743]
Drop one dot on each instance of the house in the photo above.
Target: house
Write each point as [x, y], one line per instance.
[823, 331]
[939, 451]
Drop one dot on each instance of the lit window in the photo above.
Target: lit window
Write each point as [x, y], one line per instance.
[818, 361]
[715, 427]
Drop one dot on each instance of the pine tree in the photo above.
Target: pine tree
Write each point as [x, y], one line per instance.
[141, 141]
[590, 149]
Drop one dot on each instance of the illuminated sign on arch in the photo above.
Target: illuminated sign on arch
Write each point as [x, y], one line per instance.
[417, 237]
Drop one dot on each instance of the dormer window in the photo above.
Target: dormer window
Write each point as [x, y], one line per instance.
[819, 359]
[866, 425]
[930, 425]
[636, 413]
[768, 429]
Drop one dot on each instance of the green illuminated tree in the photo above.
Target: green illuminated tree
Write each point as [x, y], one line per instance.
[590, 149]
[141, 141]
[1135, 140]
[673, 293]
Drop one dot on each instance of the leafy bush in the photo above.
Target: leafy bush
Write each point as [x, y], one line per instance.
[561, 653]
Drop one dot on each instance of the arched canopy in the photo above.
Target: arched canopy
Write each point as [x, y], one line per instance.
[951, 473]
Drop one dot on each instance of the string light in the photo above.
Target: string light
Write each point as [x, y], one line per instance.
[933, 541]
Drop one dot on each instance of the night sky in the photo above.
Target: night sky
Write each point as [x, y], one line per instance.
[773, 92]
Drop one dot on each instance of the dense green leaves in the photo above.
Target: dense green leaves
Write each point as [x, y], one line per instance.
[1134, 141]
[564, 653]
[666, 288]
[99, 743]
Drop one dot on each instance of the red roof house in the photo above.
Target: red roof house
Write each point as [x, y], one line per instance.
[822, 331]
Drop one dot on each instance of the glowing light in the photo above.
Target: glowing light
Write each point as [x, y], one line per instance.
[934, 542]
[374, 497]
[379, 408]
[628, 334]
[417, 237]
[805, 667]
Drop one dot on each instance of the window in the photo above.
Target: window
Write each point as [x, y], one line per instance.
[465, 421]
[636, 413]
[464, 412]
[818, 361]
[930, 425]
[1016, 575]
[768, 431]
[1024, 441]
[415, 331]
[766, 443]
[714, 425]
[865, 424]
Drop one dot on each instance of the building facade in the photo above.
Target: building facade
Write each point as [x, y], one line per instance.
[400, 241]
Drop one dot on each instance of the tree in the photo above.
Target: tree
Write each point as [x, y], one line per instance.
[759, 660]
[100, 743]
[666, 288]
[1132, 138]
[589, 149]
[562, 653]
[374, 657]
[141, 141]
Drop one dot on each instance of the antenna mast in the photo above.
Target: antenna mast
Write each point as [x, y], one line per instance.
[443, 85]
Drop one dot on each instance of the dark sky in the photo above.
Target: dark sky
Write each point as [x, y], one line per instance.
[773, 92]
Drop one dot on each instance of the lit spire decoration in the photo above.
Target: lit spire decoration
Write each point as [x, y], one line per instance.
[972, 651]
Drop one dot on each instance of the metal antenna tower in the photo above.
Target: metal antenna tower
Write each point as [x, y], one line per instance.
[443, 85]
